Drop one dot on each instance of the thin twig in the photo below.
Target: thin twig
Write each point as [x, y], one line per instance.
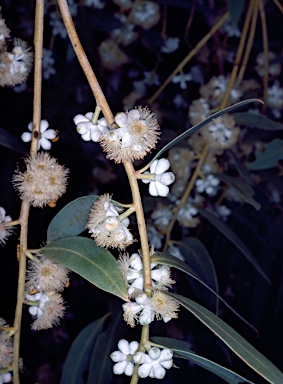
[265, 52]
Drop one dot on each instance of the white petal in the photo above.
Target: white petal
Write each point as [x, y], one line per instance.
[162, 166]
[134, 114]
[45, 144]
[144, 370]
[153, 166]
[86, 136]
[127, 140]
[30, 126]
[89, 115]
[43, 125]
[152, 189]
[33, 311]
[166, 354]
[133, 347]
[158, 372]
[82, 128]
[166, 363]
[162, 190]
[96, 135]
[124, 346]
[80, 119]
[119, 368]
[142, 299]
[49, 134]
[136, 261]
[146, 316]
[154, 353]
[26, 137]
[121, 119]
[118, 356]
[129, 370]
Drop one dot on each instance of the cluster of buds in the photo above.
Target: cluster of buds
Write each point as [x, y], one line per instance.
[151, 364]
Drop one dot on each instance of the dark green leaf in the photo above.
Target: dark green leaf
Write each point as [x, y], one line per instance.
[196, 127]
[244, 190]
[269, 157]
[95, 264]
[10, 141]
[78, 358]
[241, 168]
[231, 235]
[253, 120]
[233, 340]
[72, 219]
[182, 349]
[235, 10]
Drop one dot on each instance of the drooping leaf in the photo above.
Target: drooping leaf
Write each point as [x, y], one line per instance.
[196, 127]
[165, 258]
[233, 340]
[235, 10]
[231, 235]
[269, 157]
[78, 358]
[12, 142]
[182, 349]
[72, 219]
[95, 264]
[253, 120]
[244, 190]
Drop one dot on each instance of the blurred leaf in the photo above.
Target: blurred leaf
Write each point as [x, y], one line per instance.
[244, 190]
[253, 120]
[12, 142]
[235, 10]
[167, 259]
[182, 349]
[78, 358]
[72, 219]
[95, 264]
[101, 365]
[196, 127]
[241, 168]
[230, 235]
[269, 157]
[197, 257]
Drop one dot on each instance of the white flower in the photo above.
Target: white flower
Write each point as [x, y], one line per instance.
[44, 137]
[170, 45]
[223, 211]
[154, 363]
[37, 310]
[124, 357]
[275, 99]
[88, 130]
[182, 78]
[57, 25]
[99, 4]
[4, 232]
[209, 185]
[186, 216]
[47, 64]
[154, 237]
[159, 178]
[161, 217]
[5, 378]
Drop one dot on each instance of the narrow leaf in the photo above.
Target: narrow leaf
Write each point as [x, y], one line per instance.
[165, 258]
[12, 142]
[269, 157]
[231, 235]
[233, 340]
[196, 127]
[78, 358]
[95, 264]
[235, 10]
[72, 219]
[182, 349]
[253, 120]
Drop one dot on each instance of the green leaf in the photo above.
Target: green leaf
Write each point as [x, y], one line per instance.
[182, 349]
[235, 10]
[253, 120]
[233, 340]
[12, 142]
[196, 127]
[244, 190]
[72, 219]
[269, 157]
[241, 168]
[78, 358]
[165, 258]
[95, 264]
[231, 235]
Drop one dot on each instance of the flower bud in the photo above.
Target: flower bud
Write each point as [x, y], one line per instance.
[157, 372]
[154, 353]
[144, 370]
[117, 356]
[146, 316]
[119, 368]
[141, 358]
[123, 345]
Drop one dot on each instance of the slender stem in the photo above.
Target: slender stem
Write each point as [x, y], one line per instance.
[38, 38]
[83, 60]
[265, 52]
[185, 195]
[238, 55]
[141, 225]
[190, 56]
[96, 115]
[280, 6]
[249, 45]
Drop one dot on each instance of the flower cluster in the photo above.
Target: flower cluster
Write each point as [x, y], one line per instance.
[44, 136]
[145, 309]
[6, 345]
[15, 63]
[158, 178]
[136, 135]
[5, 231]
[88, 130]
[106, 227]
[43, 182]
[152, 364]
[132, 270]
